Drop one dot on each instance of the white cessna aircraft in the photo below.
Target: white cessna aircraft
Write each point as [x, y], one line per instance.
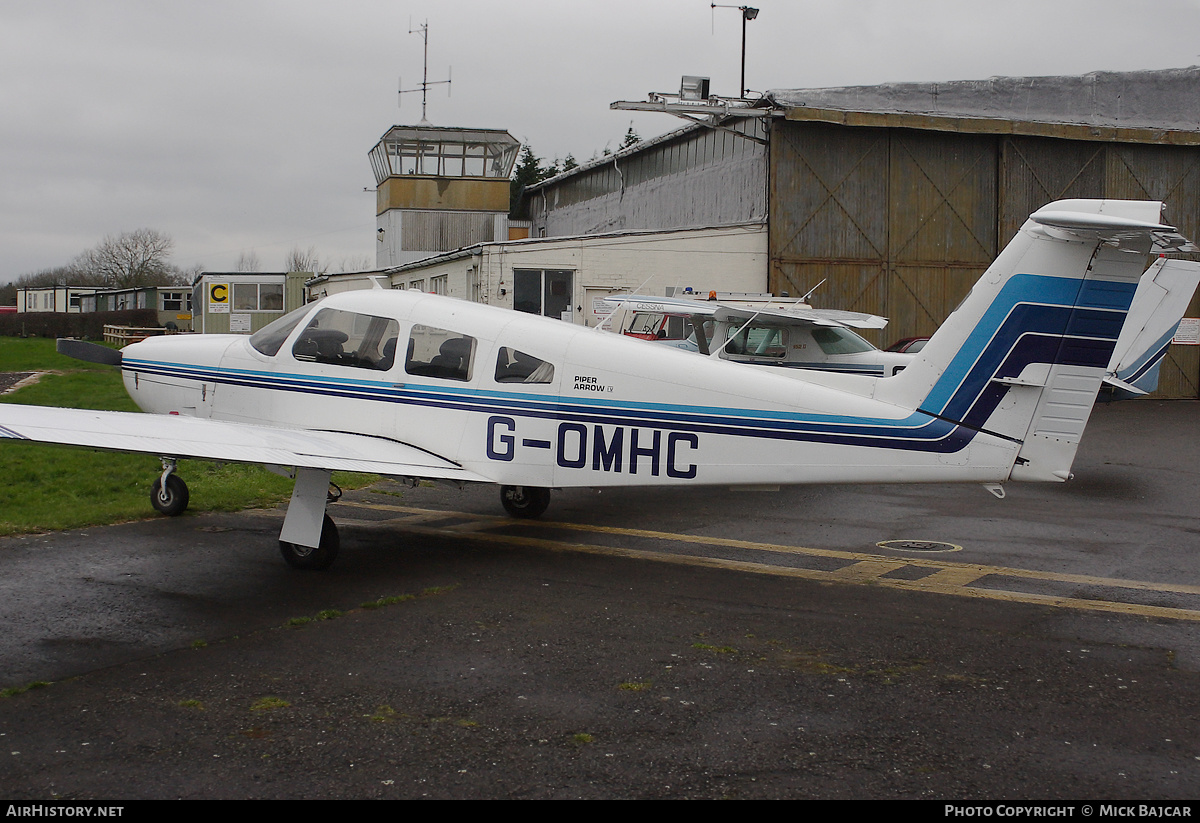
[414, 385]
[791, 334]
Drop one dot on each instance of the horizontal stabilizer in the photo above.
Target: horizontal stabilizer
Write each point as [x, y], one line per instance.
[1115, 220]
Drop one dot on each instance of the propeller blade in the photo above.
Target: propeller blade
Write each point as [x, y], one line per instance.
[88, 352]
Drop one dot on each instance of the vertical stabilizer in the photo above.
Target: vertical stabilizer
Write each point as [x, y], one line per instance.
[1024, 355]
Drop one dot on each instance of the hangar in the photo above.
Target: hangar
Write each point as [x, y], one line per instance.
[900, 195]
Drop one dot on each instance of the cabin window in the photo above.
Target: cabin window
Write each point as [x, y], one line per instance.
[514, 366]
[837, 340]
[434, 352]
[345, 338]
[269, 339]
[759, 341]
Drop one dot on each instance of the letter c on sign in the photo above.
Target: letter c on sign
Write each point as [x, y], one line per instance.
[218, 293]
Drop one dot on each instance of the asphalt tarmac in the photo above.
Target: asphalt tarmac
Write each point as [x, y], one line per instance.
[632, 644]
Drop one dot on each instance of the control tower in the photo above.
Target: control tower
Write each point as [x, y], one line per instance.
[440, 188]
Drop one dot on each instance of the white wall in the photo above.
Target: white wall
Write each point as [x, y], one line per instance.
[729, 258]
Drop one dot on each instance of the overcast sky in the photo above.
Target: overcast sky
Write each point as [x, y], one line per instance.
[240, 127]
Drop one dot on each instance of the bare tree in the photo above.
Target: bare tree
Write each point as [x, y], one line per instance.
[248, 261]
[129, 260]
[298, 260]
[360, 262]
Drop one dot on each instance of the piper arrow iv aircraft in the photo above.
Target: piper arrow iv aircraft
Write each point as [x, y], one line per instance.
[415, 385]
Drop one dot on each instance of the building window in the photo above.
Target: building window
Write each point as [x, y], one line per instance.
[440, 285]
[543, 291]
[419, 285]
[175, 300]
[258, 297]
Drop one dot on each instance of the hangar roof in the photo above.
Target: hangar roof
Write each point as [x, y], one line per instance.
[1160, 106]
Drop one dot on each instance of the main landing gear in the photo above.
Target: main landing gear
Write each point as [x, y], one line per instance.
[307, 558]
[309, 539]
[524, 501]
[169, 494]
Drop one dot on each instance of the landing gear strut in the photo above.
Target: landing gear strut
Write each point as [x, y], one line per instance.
[524, 501]
[169, 494]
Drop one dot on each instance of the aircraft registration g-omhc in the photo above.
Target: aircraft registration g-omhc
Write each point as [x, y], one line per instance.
[418, 386]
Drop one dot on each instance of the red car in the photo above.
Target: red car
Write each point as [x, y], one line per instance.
[908, 345]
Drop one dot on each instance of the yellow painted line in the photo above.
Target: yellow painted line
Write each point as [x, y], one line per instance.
[867, 570]
[947, 578]
[954, 576]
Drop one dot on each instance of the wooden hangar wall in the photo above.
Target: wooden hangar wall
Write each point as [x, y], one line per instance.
[902, 221]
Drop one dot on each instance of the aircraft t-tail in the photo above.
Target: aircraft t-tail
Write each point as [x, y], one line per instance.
[1002, 391]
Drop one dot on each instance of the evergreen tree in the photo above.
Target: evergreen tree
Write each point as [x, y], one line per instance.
[631, 138]
[529, 172]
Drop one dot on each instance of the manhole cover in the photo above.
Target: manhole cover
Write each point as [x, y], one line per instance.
[918, 546]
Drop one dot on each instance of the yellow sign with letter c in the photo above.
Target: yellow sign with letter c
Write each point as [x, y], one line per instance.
[218, 298]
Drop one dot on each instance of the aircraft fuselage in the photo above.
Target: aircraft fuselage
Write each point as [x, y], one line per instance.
[604, 411]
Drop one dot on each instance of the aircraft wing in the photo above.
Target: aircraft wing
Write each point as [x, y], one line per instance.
[797, 314]
[804, 315]
[1162, 297]
[664, 305]
[225, 441]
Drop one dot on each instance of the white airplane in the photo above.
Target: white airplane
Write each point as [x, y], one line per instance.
[791, 334]
[779, 333]
[414, 385]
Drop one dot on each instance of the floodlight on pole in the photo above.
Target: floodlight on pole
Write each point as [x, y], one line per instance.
[748, 13]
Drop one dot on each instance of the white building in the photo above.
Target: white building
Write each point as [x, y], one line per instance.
[567, 277]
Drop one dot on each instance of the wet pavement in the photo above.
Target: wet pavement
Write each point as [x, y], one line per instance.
[634, 643]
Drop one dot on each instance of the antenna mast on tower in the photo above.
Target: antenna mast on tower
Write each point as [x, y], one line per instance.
[423, 30]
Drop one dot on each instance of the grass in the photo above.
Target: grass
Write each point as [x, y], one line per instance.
[51, 488]
[38, 354]
[15, 690]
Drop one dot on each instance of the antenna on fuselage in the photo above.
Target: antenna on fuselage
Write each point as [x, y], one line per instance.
[808, 293]
[423, 30]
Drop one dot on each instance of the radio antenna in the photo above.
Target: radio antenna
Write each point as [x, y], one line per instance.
[423, 30]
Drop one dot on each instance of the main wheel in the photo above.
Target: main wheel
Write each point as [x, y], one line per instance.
[524, 501]
[173, 500]
[308, 558]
